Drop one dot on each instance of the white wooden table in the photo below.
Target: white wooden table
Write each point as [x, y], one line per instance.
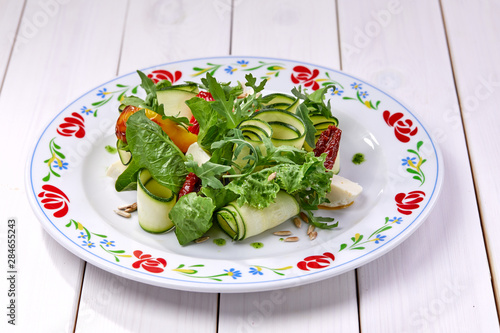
[440, 57]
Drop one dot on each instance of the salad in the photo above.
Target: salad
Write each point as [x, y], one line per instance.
[215, 155]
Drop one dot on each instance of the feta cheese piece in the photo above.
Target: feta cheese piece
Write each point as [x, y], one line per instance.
[115, 170]
[199, 155]
[343, 192]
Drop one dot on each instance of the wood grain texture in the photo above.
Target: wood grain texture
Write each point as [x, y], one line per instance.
[174, 30]
[435, 281]
[166, 35]
[10, 17]
[56, 57]
[473, 34]
[114, 304]
[302, 31]
[296, 30]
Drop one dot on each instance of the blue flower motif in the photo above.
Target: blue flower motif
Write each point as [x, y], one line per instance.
[86, 110]
[102, 93]
[242, 63]
[256, 271]
[364, 94]
[408, 161]
[107, 243]
[230, 70]
[396, 220]
[337, 92]
[61, 165]
[82, 235]
[356, 86]
[380, 238]
[233, 273]
[88, 244]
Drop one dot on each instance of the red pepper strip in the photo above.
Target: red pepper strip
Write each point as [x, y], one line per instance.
[195, 128]
[328, 143]
[191, 184]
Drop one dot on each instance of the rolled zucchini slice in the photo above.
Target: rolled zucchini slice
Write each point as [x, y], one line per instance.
[154, 202]
[243, 222]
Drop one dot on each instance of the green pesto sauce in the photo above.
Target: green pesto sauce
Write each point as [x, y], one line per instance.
[220, 241]
[358, 158]
[257, 245]
[110, 149]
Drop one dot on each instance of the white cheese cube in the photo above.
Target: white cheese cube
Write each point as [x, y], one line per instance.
[343, 192]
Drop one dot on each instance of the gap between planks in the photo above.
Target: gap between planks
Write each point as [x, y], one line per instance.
[12, 46]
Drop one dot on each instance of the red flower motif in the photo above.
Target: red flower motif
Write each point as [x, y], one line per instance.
[54, 199]
[402, 128]
[146, 261]
[161, 74]
[316, 262]
[73, 125]
[305, 76]
[408, 202]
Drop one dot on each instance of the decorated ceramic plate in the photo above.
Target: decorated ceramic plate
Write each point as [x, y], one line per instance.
[384, 147]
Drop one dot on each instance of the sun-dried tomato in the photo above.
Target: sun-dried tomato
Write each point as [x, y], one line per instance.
[191, 184]
[328, 143]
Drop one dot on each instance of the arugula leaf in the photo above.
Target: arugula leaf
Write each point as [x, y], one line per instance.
[127, 180]
[207, 118]
[303, 113]
[152, 149]
[319, 221]
[207, 172]
[251, 83]
[192, 216]
[223, 103]
[181, 121]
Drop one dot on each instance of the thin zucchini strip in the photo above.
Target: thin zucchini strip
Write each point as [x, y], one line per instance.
[154, 202]
[246, 221]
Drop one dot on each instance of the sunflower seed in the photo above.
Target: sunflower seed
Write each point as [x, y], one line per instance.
[292, 239]
[304, 217]
[282, 233]
[271, 176]
[122, 213]
[202, 239]
[313, 235]
[310, 229]
[297, 222]
[124, 207]
[131, 208]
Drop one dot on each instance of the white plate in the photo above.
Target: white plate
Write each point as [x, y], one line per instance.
[74, 200]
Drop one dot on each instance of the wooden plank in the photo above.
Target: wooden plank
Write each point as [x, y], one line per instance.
[475, 52]
[176, 30]
[169, 35]
[114, 304]
[303, 31]
[10, 18]
[56, 61]
[438, 280]
[293, 30]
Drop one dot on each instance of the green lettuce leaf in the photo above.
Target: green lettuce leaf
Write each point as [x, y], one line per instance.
[192, 216]
[127, 180]
[152, 149]
[220, 197]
